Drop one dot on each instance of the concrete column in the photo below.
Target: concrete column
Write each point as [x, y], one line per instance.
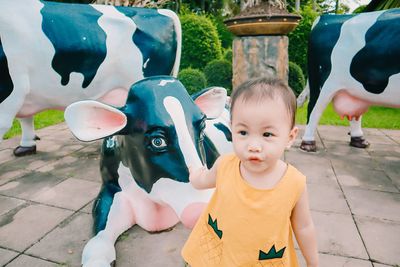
[257, 56]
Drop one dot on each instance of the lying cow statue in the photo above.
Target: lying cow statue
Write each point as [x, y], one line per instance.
[150, 142]
[53, 54]
[353, 60]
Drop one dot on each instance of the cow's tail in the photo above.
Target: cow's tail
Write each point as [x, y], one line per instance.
[178, 32]
[302, 98]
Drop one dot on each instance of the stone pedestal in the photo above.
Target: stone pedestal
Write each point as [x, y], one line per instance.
[258, 56]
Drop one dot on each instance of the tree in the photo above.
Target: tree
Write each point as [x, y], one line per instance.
[375, 5]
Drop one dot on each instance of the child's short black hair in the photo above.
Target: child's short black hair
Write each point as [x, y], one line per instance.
[261, 88]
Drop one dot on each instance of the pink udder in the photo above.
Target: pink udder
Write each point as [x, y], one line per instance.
[191, 214]
[349, 106]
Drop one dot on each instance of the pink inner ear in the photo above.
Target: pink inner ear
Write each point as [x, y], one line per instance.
[101, 122]
[212, 102]
[202, 104]
[90, 120]
[107, 120]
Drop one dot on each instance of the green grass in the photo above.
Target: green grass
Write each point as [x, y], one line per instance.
[376, 117]
[41, 120]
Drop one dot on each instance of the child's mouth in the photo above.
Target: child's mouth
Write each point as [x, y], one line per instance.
[254, 159]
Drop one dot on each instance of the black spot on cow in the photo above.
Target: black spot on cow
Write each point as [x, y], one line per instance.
[379, 58]
[153, 37]
[211, 152]
[225, 130]
[78, 40]
[6, 84]
[323, 39]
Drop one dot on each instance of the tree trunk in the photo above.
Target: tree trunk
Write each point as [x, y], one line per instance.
[297, 5]
[203, 5]
[337, 7]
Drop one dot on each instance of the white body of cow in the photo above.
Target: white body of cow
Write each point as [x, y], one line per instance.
[37, 86]
[350, 98]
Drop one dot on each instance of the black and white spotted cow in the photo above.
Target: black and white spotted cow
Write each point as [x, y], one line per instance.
[157, 135]
[53, 54]
[353, 60]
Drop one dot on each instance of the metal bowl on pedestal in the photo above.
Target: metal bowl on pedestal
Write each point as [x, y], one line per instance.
[269, 24]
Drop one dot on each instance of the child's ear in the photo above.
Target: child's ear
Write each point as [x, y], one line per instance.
[292, 136]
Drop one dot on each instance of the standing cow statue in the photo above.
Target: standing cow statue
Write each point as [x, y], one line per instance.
[157, 135]
[353, 60]
[53, 54]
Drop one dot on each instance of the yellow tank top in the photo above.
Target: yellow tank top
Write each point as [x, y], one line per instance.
[244, 226]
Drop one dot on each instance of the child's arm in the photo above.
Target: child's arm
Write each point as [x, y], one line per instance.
[204, 178]
[304, 230]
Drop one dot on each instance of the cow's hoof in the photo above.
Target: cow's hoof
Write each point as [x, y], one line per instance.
[36, 138]
[308, 146]
[21, 151]
[359, 142]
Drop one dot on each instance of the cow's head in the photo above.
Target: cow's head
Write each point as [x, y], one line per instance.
[160, 129]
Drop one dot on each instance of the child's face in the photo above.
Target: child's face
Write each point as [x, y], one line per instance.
[261, 130]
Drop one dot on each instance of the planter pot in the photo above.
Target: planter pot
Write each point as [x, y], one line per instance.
[272, 24]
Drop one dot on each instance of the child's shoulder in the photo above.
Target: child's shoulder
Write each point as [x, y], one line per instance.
[296, 175]
[228, 158]
[226, 161]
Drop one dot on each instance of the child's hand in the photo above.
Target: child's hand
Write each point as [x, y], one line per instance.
[200, 177]
[195, 172]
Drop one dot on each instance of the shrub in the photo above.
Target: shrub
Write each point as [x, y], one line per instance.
[359, 9]
[200, 43]
[298, 39]
[228, 55]
[219, 73]
[224, 34]
[193, 79]
[296, 78]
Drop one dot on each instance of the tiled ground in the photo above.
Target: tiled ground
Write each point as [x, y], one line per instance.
[46, 199]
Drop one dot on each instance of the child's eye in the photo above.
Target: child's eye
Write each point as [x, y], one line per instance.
[242, 132]
[267, 134]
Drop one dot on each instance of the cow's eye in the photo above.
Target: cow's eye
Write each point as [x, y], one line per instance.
[158, 143]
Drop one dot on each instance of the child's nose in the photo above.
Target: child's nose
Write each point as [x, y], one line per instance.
[254, 147]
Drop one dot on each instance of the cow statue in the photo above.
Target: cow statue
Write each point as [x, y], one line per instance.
[149, 145]
[54, 54]
[353, 60]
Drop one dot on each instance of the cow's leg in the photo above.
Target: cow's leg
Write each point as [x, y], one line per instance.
[6, 120]
[356, 134]
[308, 141]
[12, 104]
[27, 145]
[100, 251]
[191, 214]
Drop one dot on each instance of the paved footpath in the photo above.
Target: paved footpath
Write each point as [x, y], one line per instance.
[46, 199]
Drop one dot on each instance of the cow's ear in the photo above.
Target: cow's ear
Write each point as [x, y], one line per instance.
[211, 101]
[91, 120]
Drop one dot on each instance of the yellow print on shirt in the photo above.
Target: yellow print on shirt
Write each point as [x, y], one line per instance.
[210, 241]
